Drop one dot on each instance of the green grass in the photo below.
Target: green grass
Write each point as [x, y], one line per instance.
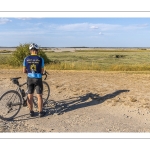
[5, 51]
[106, 60]
[138, 60]
[4, 58]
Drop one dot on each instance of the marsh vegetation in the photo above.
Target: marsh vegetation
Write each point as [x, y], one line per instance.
[104, 60]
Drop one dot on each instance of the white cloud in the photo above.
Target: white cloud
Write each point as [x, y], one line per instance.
[94, 27]
[4, 20]
[24, 18]
[76, 26]
[100, 33]
[87, 26]
[144, 25]
[135, 26]
[21, 32]
[30, 28]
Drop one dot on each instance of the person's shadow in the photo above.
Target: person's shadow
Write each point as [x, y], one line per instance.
[66, 105]
[73, 103]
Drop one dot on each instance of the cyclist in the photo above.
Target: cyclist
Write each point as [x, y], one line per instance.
[33, 65]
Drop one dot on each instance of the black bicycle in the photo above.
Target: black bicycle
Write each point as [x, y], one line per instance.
[12, 100]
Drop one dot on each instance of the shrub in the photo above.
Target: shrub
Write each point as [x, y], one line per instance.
[21, 52]
[44, 56]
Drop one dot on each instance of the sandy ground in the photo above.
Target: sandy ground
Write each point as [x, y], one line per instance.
[86, 101]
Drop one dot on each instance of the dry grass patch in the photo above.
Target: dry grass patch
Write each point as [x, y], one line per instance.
[133, 99]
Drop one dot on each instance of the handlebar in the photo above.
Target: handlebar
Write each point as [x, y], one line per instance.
[45, 73]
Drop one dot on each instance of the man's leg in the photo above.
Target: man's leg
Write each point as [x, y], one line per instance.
[40, 105]
[30, 86]
[39, 90]
[30, 102]
[40, 102]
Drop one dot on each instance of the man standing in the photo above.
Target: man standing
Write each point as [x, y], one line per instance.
[33, 65]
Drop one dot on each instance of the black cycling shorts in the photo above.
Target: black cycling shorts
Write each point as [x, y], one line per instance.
[34, 83]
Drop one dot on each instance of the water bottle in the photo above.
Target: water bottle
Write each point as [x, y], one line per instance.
[23, 93]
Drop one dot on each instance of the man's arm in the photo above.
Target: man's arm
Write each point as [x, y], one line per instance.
[42, 70]
[24, 69]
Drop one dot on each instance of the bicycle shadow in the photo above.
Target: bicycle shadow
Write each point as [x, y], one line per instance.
[74, 103]
[63, 106]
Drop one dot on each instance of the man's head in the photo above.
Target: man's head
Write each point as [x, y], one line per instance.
[33, 48]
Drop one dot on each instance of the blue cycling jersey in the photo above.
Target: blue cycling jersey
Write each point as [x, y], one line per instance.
[34, 65]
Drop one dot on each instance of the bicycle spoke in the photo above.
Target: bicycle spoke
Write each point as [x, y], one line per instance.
[10, 104]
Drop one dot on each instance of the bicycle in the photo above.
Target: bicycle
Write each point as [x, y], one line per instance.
[12, 100]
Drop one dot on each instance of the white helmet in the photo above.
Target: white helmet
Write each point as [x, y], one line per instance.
[33, 46]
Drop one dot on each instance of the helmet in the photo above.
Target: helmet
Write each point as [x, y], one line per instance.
[33, 46]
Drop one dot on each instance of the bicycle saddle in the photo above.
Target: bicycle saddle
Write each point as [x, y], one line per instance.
[15, 78]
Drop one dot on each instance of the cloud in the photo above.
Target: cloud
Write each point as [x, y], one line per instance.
[100, 33]
[87, 26]
[118, 27]
[84, 26]
[100, 26]
[21, 32]
[76, 26]
[135, 26]
[4, 20]
[94, 27]
[24, 18]
[144, 25]
[74, 29]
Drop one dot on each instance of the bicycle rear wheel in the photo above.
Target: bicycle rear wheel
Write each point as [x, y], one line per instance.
[10, 104]
[46, 92]
[45, 95]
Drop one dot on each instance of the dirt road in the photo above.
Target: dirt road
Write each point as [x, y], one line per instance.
[86, 101]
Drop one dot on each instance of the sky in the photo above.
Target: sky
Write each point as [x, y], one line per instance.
[75, 31]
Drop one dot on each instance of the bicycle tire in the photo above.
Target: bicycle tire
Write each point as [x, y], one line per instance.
[45, 95]
[10, 105]
[46, 92]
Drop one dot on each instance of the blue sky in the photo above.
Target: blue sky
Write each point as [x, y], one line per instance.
[76, 32]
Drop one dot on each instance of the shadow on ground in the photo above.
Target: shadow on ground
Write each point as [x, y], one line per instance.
[73, 103]
[63, 106]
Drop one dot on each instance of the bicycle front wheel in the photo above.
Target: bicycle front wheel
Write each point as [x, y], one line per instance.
[10, 104]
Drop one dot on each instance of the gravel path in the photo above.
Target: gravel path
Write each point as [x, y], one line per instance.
[86, 101]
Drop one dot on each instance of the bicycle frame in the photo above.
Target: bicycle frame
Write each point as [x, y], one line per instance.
[22, 97]
[13, 100]
[23, 102]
